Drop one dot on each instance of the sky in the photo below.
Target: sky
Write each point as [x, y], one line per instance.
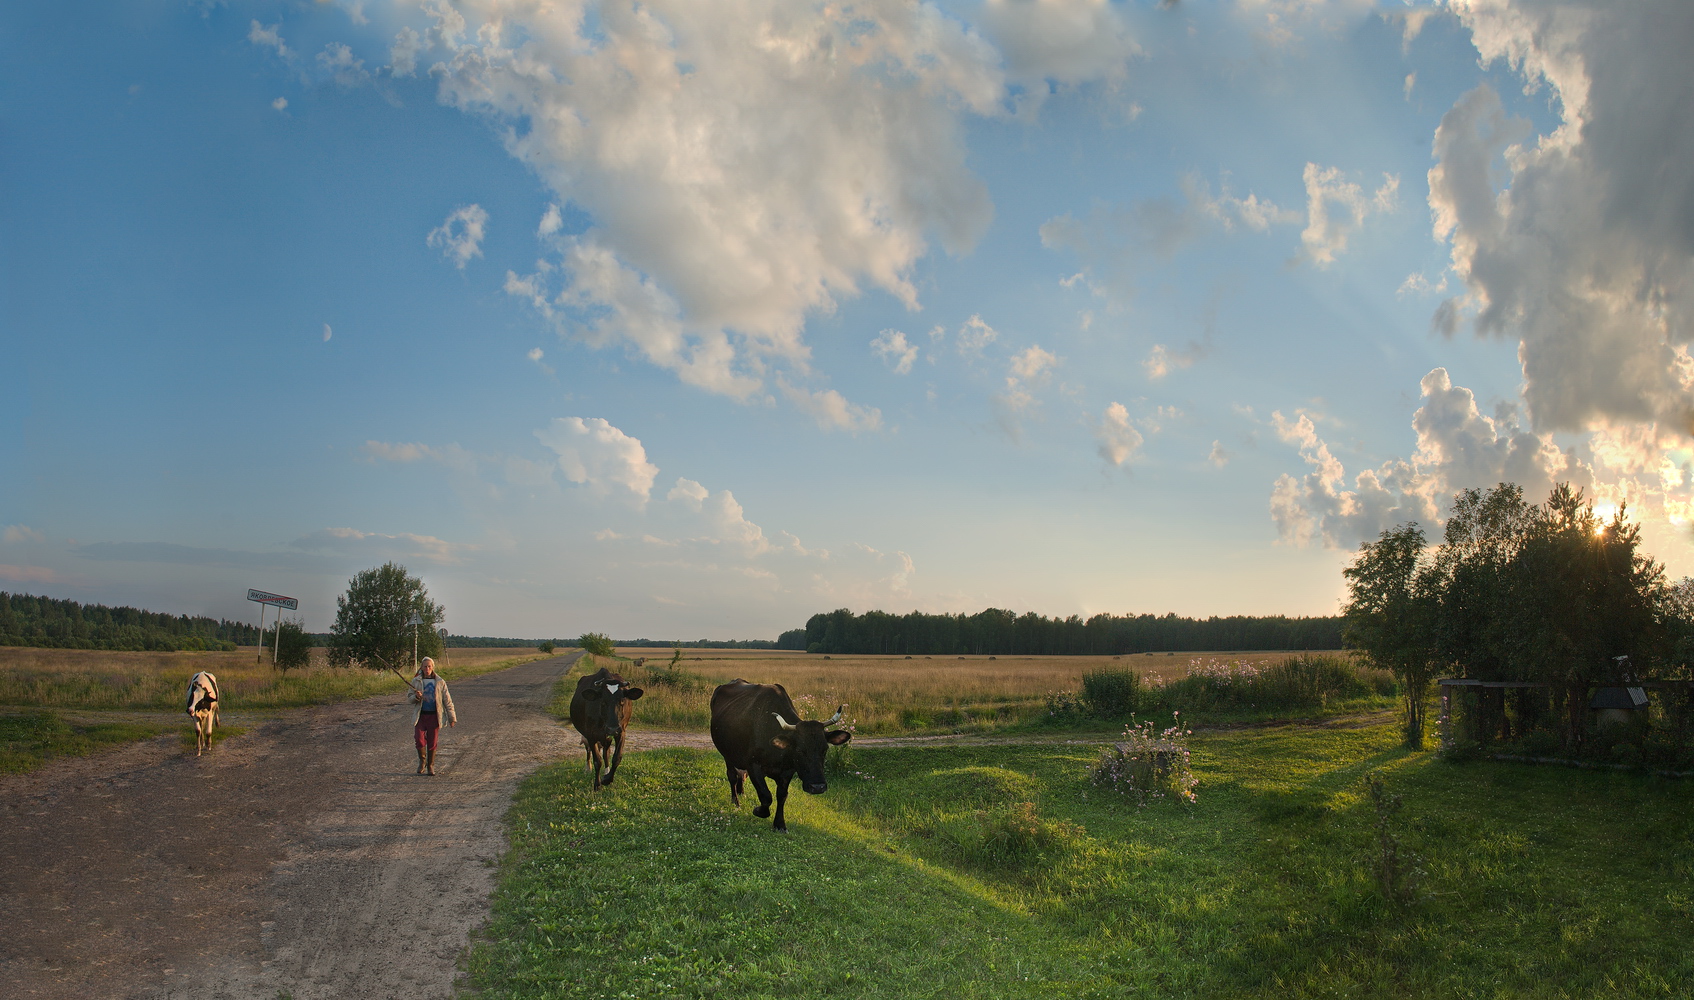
[683, 320]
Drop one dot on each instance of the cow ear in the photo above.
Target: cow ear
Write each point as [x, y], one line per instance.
[838, 737]
[590, 694]
[633, 693]
[778, 741]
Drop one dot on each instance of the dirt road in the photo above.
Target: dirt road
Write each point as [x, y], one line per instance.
[304, 858]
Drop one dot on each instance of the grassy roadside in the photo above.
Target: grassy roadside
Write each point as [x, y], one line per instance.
[30, 739]
[38, 686]
[1002, 872]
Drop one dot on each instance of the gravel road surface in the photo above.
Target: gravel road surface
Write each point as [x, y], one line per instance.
[304, 856]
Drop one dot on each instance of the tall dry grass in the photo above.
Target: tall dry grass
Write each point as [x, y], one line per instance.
[883, 694]
[106, 680]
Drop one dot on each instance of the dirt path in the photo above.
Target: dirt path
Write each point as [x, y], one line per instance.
[304, 856]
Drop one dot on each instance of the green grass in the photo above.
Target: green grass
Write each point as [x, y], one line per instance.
[30, 739]
[1001, 872]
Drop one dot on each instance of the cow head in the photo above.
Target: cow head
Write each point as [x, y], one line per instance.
[604, 693]
[804, 745]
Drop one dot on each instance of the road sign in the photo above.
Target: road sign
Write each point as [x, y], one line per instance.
[276, 599]
[416, 619]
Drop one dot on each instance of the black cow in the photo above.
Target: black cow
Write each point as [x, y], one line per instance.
[759, 733]
[600, 712]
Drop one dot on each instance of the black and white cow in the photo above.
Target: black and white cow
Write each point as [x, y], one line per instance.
[203, 706]
[759, 733]
[600, 711]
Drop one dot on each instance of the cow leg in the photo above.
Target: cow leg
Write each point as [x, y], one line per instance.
[617, 757]
[735, 776]
[780, 824]
[598, 753]
[763, 809]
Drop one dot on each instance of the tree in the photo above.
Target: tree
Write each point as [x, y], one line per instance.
[372, 620]
[1390, 612]
[547, 647]
[293, 645]
[596, 644]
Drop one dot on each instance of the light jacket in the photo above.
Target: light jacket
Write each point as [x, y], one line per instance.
[443, 702]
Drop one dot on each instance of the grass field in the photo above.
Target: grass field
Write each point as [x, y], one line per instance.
[897, 694]
[38, 685]
[101, 679]
[1000, 871]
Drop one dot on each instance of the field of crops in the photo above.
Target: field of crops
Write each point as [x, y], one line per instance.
[897, 694]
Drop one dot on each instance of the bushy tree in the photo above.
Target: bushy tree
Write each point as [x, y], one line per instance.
[596, 644]
[293, 645]
[1549, 593]
[1390, 613]
[372, 620]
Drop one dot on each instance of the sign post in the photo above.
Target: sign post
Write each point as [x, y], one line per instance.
[415, 621]
[266, 599]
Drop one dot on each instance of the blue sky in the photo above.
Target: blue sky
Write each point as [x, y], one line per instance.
[674, 320]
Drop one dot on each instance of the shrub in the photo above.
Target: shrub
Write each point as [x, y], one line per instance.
[671, 675]
[1396, 869]
[293, 645]
[1111, 693]
[1147, 765]
[1299, 682]
[596, 644]
[547, 647]
[1063, 706]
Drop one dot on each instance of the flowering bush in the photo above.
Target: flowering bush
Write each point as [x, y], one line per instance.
[1064, 705]
[1146, 764]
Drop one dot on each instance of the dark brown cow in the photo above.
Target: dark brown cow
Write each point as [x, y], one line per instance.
[600, 712]
[759, 733]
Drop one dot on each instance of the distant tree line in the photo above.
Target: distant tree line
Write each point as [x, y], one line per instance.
[47, 622]
[998, 631]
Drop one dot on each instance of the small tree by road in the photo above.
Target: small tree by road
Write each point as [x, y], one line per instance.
[372, 620]
[596, 644]
[1390, 610]
[293, 645]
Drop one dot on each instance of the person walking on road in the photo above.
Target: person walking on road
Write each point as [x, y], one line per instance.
[434, 704]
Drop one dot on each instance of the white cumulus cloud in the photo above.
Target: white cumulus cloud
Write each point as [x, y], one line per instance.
[1116, 435]
[1336, 208]
[831, 410]
[594, 453]
[746, 163]
[1580, 251]
[1458, 447]
[891, 346]
[460, 236]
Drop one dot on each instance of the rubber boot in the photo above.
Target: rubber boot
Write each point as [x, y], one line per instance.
[420, 760]
[431, 762]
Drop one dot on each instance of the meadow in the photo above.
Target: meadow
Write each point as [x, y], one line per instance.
[1002, 871]
[888, 695]
[64, 702]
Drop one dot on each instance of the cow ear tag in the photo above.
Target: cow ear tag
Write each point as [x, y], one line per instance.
[777, 741]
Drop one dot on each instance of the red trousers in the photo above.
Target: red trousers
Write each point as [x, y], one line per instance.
[427, 729]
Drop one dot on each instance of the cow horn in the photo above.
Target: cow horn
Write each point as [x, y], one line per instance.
[783, 722]
[837, 716]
